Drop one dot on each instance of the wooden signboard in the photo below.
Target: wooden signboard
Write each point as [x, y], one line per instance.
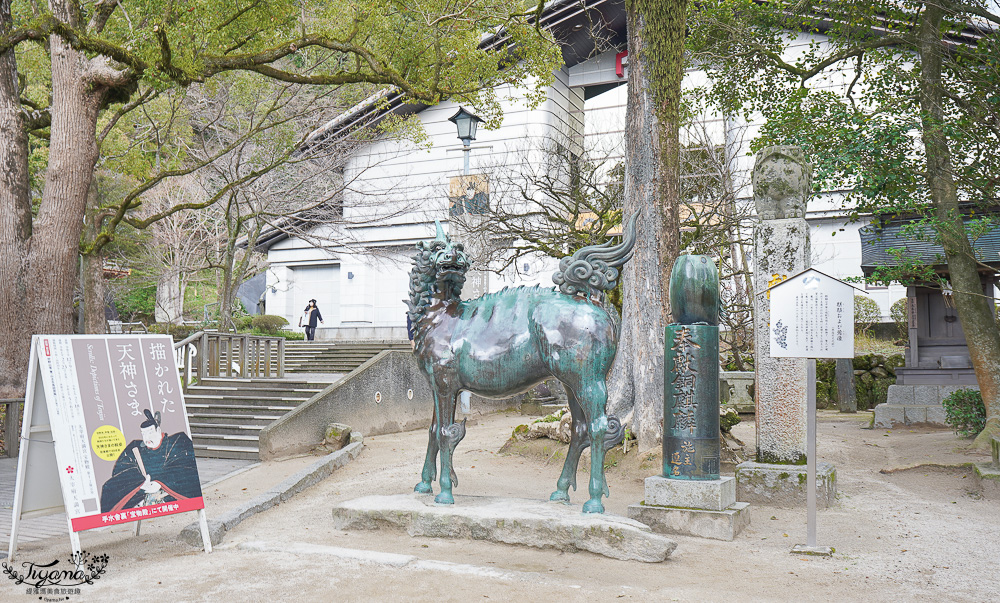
[105, 436]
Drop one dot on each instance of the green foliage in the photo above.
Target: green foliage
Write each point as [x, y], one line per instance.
[268, 323]
[866, 313]
[965, 412]
[138, 301]
[728, 419]
[898, 313]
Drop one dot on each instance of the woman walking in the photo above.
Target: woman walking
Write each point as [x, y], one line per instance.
[309, 319]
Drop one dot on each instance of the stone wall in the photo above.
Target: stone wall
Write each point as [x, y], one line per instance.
[387, 394]
[873, 374]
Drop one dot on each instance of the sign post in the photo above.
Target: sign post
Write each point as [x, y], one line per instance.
[105, 436]
[816, 321]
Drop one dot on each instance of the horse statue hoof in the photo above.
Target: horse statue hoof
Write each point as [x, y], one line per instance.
[560, 496]
[423, 488]
[444, 498]
[593, 506]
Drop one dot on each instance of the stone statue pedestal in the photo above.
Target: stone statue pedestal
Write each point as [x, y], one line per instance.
[705, 508]
[780, 485]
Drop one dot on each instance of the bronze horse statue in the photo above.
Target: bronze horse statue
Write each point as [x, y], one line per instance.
[507, 342]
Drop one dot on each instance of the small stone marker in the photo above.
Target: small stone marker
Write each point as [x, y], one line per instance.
[690, 497]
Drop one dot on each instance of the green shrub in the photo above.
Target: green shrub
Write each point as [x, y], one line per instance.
[242, 323]
[728, 419]
[866, 313]
[965, 412]
[268, 323]
[898, 314]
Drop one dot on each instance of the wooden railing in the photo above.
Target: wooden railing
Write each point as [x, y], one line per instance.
[229, 356]
[11, 411]
[185, 352]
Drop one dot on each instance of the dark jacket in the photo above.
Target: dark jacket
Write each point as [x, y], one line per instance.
[314, 317]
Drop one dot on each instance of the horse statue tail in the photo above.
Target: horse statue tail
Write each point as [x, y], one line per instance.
[592, 270]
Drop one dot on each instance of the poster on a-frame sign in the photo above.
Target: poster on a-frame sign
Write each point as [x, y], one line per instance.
[105, 436]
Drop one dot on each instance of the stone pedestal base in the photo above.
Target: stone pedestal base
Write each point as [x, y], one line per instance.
[784, 485]
[914, 405]
[988, 476]
[717, 525]
[705, 508]
[532, 523]
[819, 551]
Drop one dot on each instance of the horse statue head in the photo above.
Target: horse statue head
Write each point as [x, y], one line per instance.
[439, 268]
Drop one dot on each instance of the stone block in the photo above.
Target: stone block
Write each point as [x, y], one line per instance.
[936, 416]
[926, 395]
[784, 485]
[913, 414]
[900, 394]
[509, 521]
[988, 477]
[704, 523]
[714, 495]
[888, 415]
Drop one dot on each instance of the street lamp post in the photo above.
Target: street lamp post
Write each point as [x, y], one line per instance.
[466, 124]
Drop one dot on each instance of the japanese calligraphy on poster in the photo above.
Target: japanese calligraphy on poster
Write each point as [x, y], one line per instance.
[121, 436]
[812, 316]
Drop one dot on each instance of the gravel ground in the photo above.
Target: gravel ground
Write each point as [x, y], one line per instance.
[910, 524]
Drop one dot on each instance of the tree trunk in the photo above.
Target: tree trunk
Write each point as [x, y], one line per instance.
[92, 267]
[169, 297]
[15, 226]
[72, 154]
[652, 187]
[974, 309]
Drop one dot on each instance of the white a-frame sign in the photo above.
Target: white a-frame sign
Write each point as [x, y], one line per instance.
[105, 436]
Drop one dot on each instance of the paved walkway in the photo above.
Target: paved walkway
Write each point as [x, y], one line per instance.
[37, 528]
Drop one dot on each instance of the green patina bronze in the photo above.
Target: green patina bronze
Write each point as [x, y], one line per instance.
[507, 342]
[691, 388]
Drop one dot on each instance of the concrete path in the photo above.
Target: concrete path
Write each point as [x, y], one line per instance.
[211, 471]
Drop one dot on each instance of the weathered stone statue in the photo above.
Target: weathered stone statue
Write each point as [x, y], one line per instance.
[505, 343]
[782, 183]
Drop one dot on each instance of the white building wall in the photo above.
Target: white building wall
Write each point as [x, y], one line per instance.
[396, 190]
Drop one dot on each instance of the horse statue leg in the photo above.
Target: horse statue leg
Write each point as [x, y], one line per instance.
[594, 399]
[578, 441]
[448, 435]
[429, 473]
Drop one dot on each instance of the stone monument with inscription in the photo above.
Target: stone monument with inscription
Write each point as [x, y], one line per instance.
[782, 183]
[690, 497]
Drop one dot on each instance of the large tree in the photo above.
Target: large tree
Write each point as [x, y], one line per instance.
[656, 31]
[107, 57]
[914, 132]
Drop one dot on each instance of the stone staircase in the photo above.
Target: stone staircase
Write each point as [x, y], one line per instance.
[226, 415]
[333, 357]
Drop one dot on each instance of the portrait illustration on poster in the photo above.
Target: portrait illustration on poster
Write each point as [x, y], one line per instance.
[157, 468]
